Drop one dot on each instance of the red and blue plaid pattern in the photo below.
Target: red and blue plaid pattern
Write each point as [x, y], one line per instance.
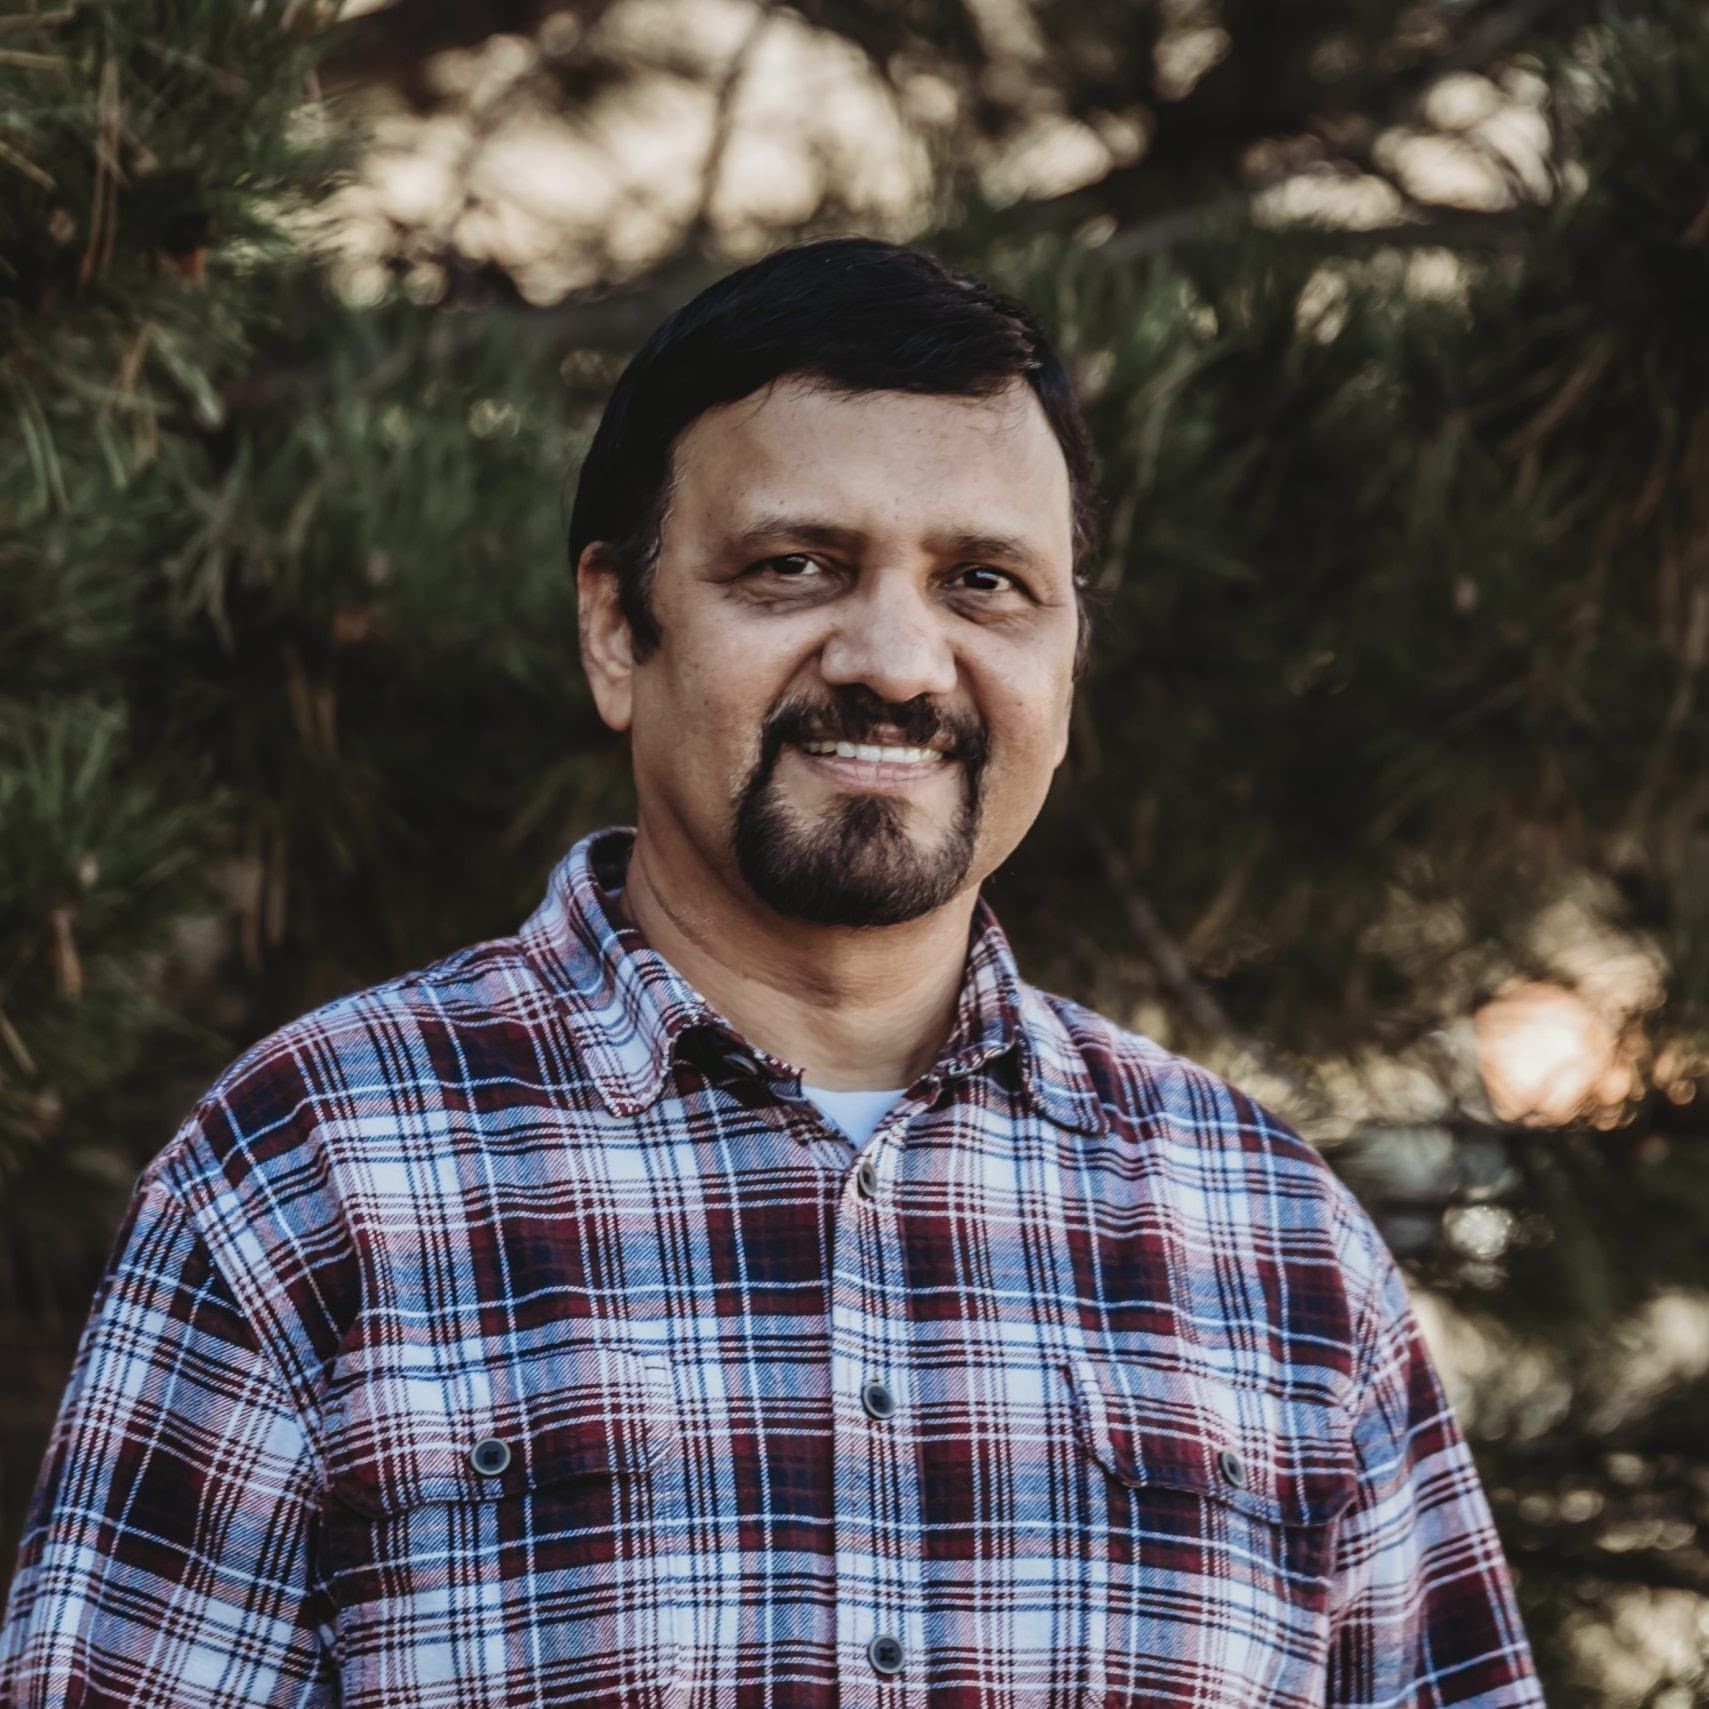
[514, 1334]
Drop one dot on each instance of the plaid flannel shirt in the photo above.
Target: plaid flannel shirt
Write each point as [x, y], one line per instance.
[514, 1333]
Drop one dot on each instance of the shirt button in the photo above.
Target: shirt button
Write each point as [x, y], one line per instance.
[866, 1178]
[878, 1400]
[490, 1456]
[885, 1653]
[1232, 1467]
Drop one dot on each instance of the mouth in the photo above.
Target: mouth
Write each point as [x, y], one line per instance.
[873, 752]
[872, 766]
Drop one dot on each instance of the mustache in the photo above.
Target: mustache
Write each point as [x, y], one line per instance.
[855, 713]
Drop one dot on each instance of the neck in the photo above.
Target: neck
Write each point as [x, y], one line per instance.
[852, 1007]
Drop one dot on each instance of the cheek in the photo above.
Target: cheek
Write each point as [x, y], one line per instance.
[703, 711]
[1027, 722]
[1027, 740]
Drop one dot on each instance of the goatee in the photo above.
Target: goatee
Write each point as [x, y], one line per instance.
[857, 864]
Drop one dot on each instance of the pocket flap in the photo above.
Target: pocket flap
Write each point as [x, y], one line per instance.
[399, 1435]
[1287, 1459]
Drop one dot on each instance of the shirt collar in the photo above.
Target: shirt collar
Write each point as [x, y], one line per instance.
[634, 1008]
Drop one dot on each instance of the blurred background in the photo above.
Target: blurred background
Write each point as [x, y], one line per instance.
[1389, 794]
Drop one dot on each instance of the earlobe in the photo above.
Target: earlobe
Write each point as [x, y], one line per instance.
[607, 647]
[1065, 737]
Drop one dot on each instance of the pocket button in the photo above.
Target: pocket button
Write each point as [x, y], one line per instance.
[885, 1654]
[877, 1399]
[1232, 1467]
[490, 1456]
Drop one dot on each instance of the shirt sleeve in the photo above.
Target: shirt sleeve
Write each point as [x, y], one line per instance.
[1422, 1607]
[166, 1556]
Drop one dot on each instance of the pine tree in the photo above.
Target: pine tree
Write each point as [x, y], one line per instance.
[146, 164]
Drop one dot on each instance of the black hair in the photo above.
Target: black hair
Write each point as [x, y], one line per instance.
[854, 313]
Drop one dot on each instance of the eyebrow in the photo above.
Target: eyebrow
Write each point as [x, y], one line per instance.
[814, 531]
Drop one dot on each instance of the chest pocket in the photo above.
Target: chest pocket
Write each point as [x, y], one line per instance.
[504, 1528]
[1216, 1508]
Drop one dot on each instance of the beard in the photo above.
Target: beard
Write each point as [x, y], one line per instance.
[857, 864]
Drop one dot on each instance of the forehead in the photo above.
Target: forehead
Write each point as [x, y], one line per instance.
[878, 461]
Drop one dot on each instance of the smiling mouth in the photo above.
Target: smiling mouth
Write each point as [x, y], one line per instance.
[873, 753]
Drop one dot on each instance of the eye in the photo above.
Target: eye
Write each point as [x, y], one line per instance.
[790, 566]
[982, 578]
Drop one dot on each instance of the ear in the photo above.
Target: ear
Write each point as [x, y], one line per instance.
[1065, 727]
[608, 657]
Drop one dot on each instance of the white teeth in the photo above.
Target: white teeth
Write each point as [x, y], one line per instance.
[872, 752]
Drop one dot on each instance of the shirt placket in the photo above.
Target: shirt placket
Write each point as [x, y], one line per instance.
[878, 1520]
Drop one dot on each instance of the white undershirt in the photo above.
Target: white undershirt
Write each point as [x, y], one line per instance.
[856, 1113]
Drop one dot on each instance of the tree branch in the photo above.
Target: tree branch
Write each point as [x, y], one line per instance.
[1170, 965]
[391, 44]
[723, 113]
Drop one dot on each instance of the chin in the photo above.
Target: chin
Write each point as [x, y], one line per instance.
[856, 864]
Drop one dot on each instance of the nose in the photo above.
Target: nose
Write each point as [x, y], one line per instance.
[889, 639]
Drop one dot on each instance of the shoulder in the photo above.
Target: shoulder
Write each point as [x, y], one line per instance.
[1143, 1087]
[358, 1055]
[1223, 1154]
[290, 1157]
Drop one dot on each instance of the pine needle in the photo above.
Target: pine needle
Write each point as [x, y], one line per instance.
[28, 167]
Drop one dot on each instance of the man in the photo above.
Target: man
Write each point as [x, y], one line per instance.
[739, 1288]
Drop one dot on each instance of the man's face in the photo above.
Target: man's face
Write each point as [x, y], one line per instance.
[868, 628]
